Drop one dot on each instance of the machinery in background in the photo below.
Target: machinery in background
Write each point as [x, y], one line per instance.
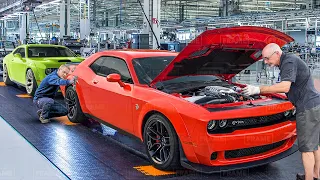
[140, 41]
[173, 46]
[74, 44]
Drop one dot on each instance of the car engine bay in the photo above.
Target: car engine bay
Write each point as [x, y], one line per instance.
[215, 95]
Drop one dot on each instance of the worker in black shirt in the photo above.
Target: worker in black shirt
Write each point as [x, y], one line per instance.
[297, 83]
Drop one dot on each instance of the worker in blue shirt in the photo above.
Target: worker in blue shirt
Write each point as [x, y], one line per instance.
[43, 97]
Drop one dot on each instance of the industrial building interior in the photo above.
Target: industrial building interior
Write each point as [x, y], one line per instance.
[99, 149]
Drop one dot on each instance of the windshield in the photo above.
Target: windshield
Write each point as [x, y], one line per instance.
[149, 68]
[50, 52]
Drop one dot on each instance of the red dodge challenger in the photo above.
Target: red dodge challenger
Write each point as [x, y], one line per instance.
[184, 106]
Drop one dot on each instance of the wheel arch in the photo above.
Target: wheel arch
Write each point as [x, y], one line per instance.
[34, 70]
[79, 93]
[170, 112]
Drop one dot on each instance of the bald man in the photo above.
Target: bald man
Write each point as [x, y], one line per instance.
[297, 83]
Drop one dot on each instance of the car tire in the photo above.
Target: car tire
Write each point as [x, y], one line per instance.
[161, 143]
[31, 83]
[75, 113]
[5, 76]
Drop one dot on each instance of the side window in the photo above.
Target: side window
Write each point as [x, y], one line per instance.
[96, 65]
[115, 65]
[17, 51]
[22, 52]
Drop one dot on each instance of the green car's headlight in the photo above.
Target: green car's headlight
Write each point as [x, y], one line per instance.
[49, 70]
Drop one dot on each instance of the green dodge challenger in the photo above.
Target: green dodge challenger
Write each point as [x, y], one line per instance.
[29, 64]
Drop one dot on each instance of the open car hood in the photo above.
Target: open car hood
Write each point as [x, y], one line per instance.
[223, 52]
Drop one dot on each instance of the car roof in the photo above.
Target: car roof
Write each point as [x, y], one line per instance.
[138, 53]
[40, 45]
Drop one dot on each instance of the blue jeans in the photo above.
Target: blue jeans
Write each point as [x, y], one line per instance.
[50, 108]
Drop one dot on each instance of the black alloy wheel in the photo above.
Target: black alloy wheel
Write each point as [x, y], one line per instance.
[75, 113]
[161, 142]
[71, 104]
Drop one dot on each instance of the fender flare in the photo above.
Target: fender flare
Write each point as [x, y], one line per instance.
[169, 111]
[166, 109]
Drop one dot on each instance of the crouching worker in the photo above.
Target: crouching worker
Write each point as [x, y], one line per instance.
[43, 97]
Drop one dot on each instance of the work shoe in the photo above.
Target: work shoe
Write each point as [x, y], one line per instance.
[43, 120]
[39, 112]
[302, 177]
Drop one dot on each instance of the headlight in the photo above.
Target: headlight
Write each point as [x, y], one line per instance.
[287, 113]
[223, 123]
[49, 70]
[211, 125]
[294, 110]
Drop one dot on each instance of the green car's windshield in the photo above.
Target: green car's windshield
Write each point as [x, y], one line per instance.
[49, 52]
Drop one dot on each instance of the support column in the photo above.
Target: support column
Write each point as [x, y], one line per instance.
[156, 22]
[4, 29]
[84, 19]
[223, 8]
[1, 29]
[23, 21]
[152, 9]
[65, 18]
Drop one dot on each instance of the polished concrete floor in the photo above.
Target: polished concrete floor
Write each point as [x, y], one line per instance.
[94, 151]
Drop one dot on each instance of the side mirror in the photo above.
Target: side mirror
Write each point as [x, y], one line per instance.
[115, 78]
[17, 55]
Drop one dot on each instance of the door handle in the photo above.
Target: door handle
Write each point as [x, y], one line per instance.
[95, 81]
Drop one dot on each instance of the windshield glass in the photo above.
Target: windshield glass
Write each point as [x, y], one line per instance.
[50, 52]
[189, 82]
[149, 68]
[194, 79]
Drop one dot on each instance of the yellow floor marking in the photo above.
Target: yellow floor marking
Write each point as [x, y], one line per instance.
[152, 171]
[65, 120]
[2, 84]
[23, 96]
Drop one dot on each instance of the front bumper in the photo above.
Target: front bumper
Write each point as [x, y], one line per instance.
[217, 169]
[241, 146]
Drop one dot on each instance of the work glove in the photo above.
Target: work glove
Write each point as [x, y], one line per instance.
[73, 80]
[250, 90]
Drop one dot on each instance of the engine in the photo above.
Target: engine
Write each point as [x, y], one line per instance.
[215, 95]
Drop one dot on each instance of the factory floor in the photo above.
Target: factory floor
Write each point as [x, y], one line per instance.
[64, 150]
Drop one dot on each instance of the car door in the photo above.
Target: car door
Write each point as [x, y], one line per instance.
[11, 65]
[91, 91]
[18, 66]
[115, 105]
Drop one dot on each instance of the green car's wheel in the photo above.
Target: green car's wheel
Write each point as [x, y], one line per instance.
[31, 83]
[5, 76]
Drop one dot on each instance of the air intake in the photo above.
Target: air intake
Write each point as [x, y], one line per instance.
[67, 60]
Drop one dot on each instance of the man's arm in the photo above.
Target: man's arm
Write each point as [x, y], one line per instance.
[282, 87]
[55, 80]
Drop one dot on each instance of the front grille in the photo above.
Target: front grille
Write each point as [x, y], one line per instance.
[255, 120]
[252, 151]
[251, 122]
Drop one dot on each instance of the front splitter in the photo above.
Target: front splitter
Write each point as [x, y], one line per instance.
[218, 169]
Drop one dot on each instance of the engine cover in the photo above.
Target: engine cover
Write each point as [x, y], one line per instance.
[218, 89]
